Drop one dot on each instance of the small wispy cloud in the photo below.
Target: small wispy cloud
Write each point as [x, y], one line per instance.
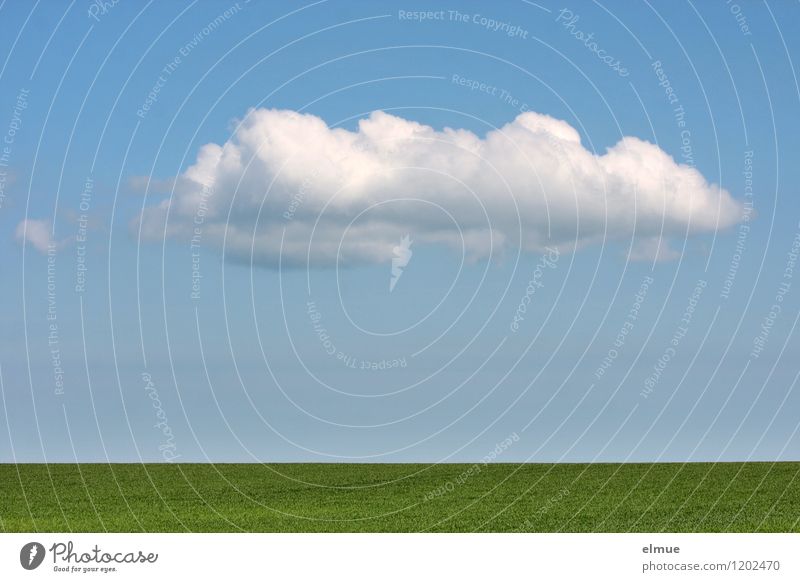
[38, 234]
[654, 249]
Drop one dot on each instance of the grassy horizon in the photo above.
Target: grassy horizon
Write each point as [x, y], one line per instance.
[461, 497]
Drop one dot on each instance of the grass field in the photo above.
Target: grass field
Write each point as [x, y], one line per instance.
[408, 498]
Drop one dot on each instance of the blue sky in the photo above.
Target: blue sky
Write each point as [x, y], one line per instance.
[603, 298]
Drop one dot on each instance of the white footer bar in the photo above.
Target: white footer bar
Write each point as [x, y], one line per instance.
[417, 557]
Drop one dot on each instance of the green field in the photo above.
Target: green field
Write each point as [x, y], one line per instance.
[408, 498]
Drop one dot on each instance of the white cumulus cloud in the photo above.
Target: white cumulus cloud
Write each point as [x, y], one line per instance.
[288, 187]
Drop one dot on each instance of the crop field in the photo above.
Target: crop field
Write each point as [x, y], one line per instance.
[696, 497]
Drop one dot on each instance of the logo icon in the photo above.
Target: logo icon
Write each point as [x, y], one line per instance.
[31, 555]
[402, 255]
